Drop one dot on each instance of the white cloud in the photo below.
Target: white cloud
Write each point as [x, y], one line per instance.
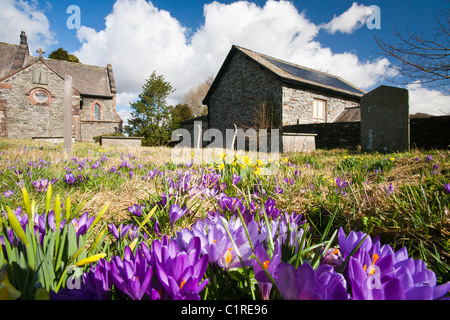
[139, 38]
[349, 21]
[425, 100]
[19, 15]
[124, 114]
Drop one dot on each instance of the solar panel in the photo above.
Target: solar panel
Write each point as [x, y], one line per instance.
[310, 75]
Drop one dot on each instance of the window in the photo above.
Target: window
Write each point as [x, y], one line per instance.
[40, 96]
[97, 112]
[319, 110]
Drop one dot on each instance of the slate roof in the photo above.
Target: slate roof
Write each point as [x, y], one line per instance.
[292, 73]
[7, 54]
[88, 80]
[350, 114]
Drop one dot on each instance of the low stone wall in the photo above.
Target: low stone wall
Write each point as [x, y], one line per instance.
[425, 133]
[299, 142]
[330, 135]
[92, 128]
[55, 140]
[430, 133]
[121, 141]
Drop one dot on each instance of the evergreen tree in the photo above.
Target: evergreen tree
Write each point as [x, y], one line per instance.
[61, 54]
[180, 112]
[151, 116]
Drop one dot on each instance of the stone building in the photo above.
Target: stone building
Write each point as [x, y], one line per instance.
[32, 92]
[292, 93]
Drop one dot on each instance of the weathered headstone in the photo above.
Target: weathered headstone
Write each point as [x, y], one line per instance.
[68, 115]
[385, 120]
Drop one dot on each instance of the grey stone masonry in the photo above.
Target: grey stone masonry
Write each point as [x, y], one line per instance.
[121, 141]
[241, 89]
[27, 117]
[298, 105]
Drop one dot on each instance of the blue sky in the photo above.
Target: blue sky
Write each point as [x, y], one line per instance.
[186, 41]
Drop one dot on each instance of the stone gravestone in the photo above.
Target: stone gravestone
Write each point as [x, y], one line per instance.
[385, 120]
[68, 115]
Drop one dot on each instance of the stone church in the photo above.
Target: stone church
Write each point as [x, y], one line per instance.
[32, 93]
[298, 95]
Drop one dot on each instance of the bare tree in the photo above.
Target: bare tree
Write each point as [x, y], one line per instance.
[422, 58]
[194, 97]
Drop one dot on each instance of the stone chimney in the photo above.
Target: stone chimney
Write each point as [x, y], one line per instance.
[23, 38]
[21, 53]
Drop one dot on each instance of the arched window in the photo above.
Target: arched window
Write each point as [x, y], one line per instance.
[97, 112]
[40, 96]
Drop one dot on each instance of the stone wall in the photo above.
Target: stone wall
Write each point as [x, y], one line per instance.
[240, 89]
[109, 122]
[107, 109]
[298, 105]
[430, 133]
[93, 128]
[25, 117]
[425, 133]
[121, 141]
[331, 135]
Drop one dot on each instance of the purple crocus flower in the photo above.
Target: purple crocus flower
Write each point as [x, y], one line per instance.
[176, 212]
[305, 283]
[132, 275]
[121, 232]
[211, 193]
[8, 193]
[377, 272]
[389, 190]
[269, 264]
[229, 258]
[69, 178]
[40, 185]
[135, 209]
[341, 185]
[82, 224]
[387, 279]
[51, 221]
[278, 190]
[347, 244]
[96, 285]
[447, 187]
[236, 178]
[213, 242]
[180, 272]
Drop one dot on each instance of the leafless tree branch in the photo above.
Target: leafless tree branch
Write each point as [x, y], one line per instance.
[422, 58]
